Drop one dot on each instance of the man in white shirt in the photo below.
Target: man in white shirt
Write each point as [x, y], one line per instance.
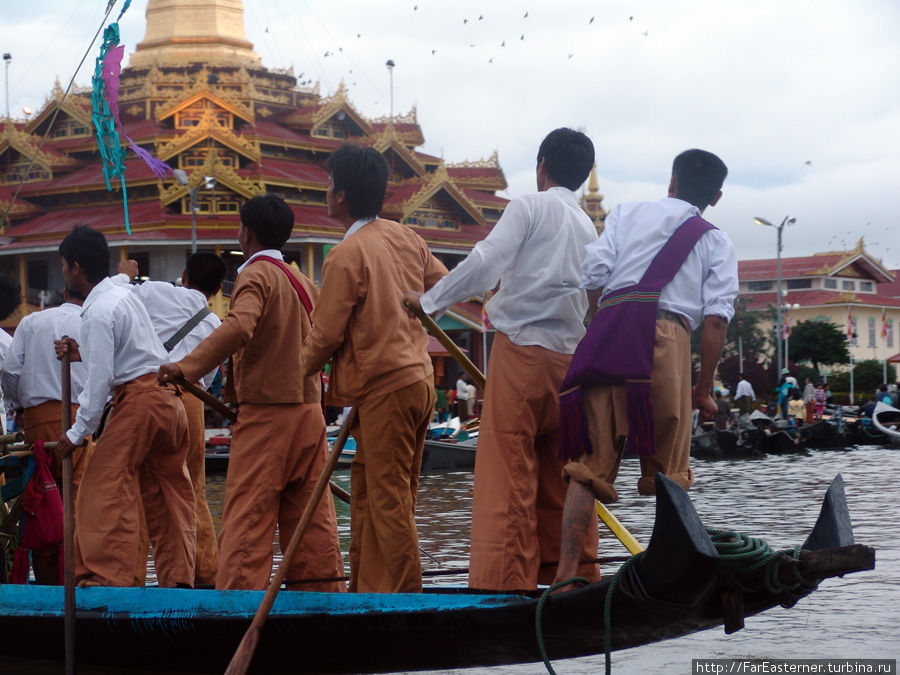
[32, 382]
[10, 299]
[535, 252]
[140, 457]
[702, 291]
[744, 395]
[462, 398]
[182, 320]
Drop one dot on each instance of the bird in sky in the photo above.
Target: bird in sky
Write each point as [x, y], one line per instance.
[503, 44]
[808, 162]
[591, 21]
[523, 36]
[571, 55]
[526, 15]
[465, 21]
[645, 33]
[491, 60]
[358, 35]
[433, 52]
[415, 7]
[481, 17]
[631, 18]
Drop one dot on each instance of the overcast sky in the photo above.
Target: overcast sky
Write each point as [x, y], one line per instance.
[800, 98]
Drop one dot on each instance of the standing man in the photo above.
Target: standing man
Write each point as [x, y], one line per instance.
[462, 397]
[140, 456]
[10, 299]
[744, 395]
[278, 447]
[643, 245]
[380, 365]
[535, 252]
[32, 381]
[809, 400]
[182, 320]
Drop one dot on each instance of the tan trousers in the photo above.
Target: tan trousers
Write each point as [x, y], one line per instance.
[519, 491]
[670, 390]
[277, 454]
[384, 479]
[140, 458]
[207, 558]
[44, 422]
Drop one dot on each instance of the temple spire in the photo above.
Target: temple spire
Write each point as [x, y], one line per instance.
[208, 31]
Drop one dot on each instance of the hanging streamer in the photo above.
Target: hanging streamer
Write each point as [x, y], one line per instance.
[105, 109]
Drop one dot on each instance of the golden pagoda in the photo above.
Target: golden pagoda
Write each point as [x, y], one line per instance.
[592, 202]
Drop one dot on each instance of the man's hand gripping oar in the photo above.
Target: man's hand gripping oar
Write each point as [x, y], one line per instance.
[178, 379]
[411, 300]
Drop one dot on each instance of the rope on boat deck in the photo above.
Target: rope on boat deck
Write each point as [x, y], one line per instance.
[739, 554]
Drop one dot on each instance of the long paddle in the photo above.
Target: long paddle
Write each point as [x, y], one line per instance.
[224, 410]
[242, 657]
[68, 522]
[616, 527]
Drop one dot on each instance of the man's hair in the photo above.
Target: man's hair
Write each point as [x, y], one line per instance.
[742, 376]
[270, 219]
[87, 247]
[700, 176]
[568, 157]
[361, 174]
[205, 272]
[10, 295]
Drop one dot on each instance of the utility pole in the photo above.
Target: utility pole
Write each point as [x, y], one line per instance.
[7, 58]
[390, 66]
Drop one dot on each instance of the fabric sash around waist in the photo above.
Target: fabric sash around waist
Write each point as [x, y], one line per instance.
[139, 385]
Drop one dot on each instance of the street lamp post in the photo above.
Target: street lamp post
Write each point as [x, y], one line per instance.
[209, 182]
[778, 228]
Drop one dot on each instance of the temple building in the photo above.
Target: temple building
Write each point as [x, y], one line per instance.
[851, 289]
[196, 96]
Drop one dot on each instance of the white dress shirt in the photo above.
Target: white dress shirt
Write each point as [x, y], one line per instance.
[462, 390]
[358, 225]
[31, 373]
[706, 284]
[5, 342]
[744, 388]
[270, 252]
[170, 307]
[118, 344]
[535, 251]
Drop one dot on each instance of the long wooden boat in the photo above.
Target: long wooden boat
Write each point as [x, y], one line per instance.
[886, 418]
[448, 456]
[679, 585]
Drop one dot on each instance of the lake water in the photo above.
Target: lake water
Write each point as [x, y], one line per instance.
[774, 497]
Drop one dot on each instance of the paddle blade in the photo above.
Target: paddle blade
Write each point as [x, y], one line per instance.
[833, 528]
[240, 662]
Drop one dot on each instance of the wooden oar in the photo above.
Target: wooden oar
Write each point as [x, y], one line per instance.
[616, 527]
[216, 404]
[242, 657]
[68, 522]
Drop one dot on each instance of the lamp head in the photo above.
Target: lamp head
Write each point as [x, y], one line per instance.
[390, 64]
[180, 176]
[762, 221]
[791, 221]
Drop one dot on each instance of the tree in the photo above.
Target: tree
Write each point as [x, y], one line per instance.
[868, 375]
[745, 325]
[730, 374]
[818, 342]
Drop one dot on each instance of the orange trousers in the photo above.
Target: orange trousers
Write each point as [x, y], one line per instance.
[384, 479]
[670, 390]
[519, 490]
[278, 452]
[140, 458]
[44, 422]
[207, 557]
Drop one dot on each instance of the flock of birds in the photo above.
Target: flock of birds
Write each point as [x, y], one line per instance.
[335, 51]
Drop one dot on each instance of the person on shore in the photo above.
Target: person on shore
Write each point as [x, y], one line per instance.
[809, 400]
[820, 400]
[278, 447]
[140, 456]
[182, 319]
[535, 252]
[744, 395]
[462, 397]
[796, 408]
[380, 365]
[470, 399]
[647, 248]
[32, 382]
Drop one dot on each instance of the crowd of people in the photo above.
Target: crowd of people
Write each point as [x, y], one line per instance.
[561, 402]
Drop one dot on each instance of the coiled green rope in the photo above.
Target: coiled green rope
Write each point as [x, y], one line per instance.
[739, 555]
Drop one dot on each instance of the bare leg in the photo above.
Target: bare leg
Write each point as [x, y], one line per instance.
[576, 520]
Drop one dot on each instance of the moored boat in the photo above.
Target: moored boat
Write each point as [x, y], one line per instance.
[687, 580]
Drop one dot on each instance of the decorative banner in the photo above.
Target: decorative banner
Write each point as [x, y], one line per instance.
[884, 326]
[851, 326]
[786, 330]
[105, 108]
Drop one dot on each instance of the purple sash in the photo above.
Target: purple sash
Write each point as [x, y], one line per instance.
[618, 349]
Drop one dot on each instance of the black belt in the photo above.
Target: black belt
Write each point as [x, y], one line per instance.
[666, 315]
